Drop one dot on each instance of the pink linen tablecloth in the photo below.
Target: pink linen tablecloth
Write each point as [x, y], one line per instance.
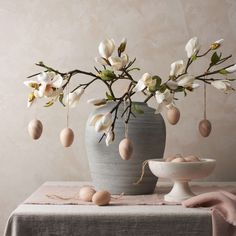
[128, 215]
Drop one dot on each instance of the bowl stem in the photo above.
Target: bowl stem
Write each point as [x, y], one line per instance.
[180, 191]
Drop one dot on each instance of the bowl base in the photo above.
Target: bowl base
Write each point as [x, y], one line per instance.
[180, 192]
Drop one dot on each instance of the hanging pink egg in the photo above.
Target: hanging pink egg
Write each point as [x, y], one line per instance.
[126, 149]
[205, 127]
[173, 115]
[67, 137]
[35, 128]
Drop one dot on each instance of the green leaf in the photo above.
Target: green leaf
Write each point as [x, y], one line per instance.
[162, 88]
[223, 72]
[61, 96]
[107, 75]
[49, 103]
[109, 97]
[194, 58]
[136, 109]
[158, 80]
[121, 48]
[157, 85]
[215, 58]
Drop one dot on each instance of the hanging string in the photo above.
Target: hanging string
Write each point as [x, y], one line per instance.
[68, 104]
[125, 116]
[204, 113]
[35, 109]
[126, 130]
[144, 164]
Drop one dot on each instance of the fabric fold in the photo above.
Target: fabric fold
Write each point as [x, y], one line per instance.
[223, 209]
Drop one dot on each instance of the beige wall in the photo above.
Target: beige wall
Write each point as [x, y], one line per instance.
[66, 34]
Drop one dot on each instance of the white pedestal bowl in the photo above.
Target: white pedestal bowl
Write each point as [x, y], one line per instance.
[181, 173]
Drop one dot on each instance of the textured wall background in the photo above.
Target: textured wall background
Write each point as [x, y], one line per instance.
[66, 34]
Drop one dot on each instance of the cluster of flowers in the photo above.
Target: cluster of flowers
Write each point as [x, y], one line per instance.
[51, 83]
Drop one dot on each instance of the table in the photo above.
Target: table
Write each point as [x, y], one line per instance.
[73, 220]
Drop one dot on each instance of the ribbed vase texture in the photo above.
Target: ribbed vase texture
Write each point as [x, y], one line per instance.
[108, 171]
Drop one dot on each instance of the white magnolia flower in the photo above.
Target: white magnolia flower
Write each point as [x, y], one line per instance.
[164, 99]
[145, 81]
[106, 48]
[49, 83]
[177, 68]
[103, 123]
[173, 85]
[231, 69]
[97, 101]
[72, 99]
[118, 63]
[187, 81]
[110, 136]
[223, 85]
[217, 44]
[192, 47]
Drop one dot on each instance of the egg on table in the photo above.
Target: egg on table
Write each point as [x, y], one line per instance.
[86, 193]
[101, 198]
[67, 137]
[35, 128]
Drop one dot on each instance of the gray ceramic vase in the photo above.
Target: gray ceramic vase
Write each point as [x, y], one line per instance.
[109, 172]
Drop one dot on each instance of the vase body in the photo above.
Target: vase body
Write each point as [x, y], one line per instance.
[108, 171]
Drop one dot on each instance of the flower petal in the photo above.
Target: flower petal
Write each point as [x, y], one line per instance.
[94, 119]
[139, 86]
[146, 78]
[217, 44]
[99, 126]
[231, 69]
[159, 97]
[124, 59]
[31, 84]
[73, 98]
[107, 119]
[220, 41]
[57, 81]
[97, 101]
[41, 92]
[177, 68]
[109, 138]
[186, 80]
[223, 85]
[101, 61]
[106, 48]
[192, 47]
[43, 77]
[116, 63]
[172, 84]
